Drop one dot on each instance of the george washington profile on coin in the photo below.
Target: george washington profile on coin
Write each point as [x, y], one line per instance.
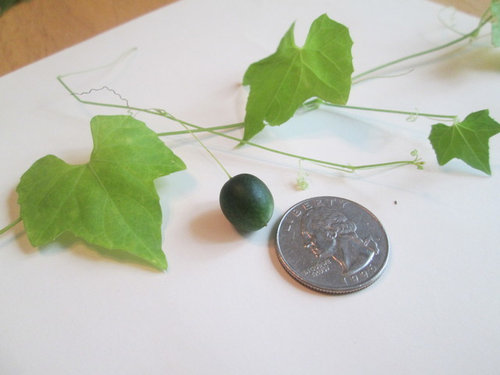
[332, 245]
[328, 233]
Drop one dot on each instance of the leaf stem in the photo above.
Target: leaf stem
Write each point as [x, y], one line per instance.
[5, 229]
[471, 35]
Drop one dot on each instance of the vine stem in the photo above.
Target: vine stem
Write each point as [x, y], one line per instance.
[6, 228]
[160, 112]
[471, 35]
[317, 101]
[191, 128]
[220, 127]
[343, 167]
[153, 111]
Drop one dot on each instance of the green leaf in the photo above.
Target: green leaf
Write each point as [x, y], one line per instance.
[283, 81]
[7, 4]
[111, 201]
[495, 25]
[466, 140]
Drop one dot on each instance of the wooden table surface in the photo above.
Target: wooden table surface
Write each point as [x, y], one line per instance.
[35, 29]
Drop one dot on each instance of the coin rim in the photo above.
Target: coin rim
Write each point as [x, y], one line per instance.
[307, 284]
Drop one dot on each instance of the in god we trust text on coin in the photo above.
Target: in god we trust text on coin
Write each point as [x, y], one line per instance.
[332, 245]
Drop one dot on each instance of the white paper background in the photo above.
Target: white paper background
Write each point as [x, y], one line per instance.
[225, 305]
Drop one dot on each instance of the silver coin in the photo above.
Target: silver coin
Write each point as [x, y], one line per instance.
[332, 245]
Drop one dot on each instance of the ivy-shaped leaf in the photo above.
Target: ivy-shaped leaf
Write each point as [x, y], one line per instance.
[495, 25]
[283, 81]
[111, 201]
[466, 140]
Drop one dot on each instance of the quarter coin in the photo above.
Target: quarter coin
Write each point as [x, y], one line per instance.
[332, 245]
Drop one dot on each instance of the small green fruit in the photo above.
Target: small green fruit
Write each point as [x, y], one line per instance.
[246, 202]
